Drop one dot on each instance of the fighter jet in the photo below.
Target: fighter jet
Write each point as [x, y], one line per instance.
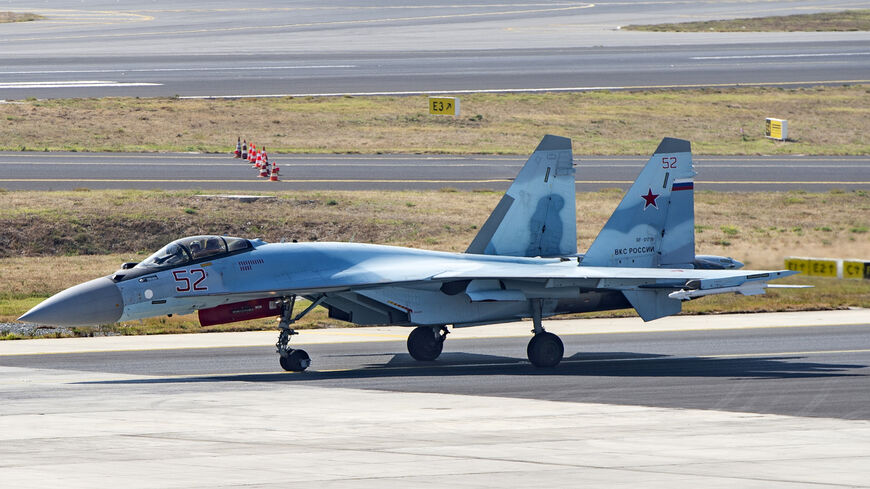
[523, 263]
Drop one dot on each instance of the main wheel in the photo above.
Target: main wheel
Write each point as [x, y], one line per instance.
[545, 350]
[425, 344]
[295, 361]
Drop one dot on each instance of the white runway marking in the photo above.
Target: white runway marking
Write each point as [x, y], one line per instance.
[758, 56]
[165, 70]
[75, 84]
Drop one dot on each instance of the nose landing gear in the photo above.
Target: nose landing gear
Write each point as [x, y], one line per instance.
[292, 359]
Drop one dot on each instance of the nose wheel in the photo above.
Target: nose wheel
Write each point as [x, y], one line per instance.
[292, 359]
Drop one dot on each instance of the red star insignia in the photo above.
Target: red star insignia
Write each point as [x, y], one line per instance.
[650, 199]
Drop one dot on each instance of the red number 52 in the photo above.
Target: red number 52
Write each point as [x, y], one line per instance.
[185, 282]
[669, 161]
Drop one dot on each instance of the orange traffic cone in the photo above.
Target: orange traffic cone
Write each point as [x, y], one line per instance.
[252, 153]
[274, 176]
[245, 150]
[264, 171]
[238, 152]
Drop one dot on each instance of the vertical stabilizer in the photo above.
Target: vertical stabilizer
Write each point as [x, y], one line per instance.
[537, 215]
[654, 224]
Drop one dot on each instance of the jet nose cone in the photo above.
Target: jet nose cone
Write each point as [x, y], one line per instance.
[89, 304]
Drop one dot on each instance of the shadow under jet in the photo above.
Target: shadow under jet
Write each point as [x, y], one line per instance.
[609, 364]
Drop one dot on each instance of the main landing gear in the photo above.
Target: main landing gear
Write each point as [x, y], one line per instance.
[292, 360]
[545, 349]
[426, 342]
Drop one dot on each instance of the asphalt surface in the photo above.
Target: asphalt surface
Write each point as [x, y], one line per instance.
[269, 48]
[66, 171]
[803, 371]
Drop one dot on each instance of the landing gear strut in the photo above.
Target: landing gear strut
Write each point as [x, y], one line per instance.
[292, 360]
[545, 349]
[426, 342]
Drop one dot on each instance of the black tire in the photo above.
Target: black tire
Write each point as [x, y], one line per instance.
[424, 345]
[545, 350]
[295, 361]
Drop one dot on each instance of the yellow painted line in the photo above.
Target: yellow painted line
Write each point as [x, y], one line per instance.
[580, 159]
[763, 182]
[519, 362]
[808, 352]
[199, 180]
[524, 90]
[390, 337]
[493, 180]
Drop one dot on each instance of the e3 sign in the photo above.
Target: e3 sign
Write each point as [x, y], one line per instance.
[443, 105]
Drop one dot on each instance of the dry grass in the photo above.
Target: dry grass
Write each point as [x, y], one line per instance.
[822, 120]
[48, 230]
[848, 20]
[6, 17]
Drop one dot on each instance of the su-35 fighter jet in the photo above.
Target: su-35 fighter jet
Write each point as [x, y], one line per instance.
[522, 264]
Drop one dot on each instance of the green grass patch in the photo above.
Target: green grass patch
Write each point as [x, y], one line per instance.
[723, 121]
[848, 20]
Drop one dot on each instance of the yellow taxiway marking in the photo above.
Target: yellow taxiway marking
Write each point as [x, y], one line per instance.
[579, 159]
[527, 90]
[232, 375]
[493, 180]
[199, 180]
[393, 337]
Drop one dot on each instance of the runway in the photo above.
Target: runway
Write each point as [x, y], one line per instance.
[771, 400]
[268, 48]
[67, 171]
[806, 371]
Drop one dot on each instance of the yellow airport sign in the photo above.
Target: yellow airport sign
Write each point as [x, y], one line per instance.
[856, 269]
[822, 268]
[776, 129]
[444, 106]
[798, 265]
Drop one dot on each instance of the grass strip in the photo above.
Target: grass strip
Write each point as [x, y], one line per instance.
[847, 20]
[823, 120]
[6, 17]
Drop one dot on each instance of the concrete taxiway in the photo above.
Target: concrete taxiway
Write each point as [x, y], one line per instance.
[67, 171]
[204, 410]
[269, 47]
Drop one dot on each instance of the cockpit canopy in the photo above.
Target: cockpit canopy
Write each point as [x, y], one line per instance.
[192, 249]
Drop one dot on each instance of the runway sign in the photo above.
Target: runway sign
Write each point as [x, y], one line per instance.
[798, 264]
[444, 106]
[829, 267]
[776, 129]
[856, 269]
[823, 268]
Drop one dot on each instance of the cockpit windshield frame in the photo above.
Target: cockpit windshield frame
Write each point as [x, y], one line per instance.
[188, 251]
